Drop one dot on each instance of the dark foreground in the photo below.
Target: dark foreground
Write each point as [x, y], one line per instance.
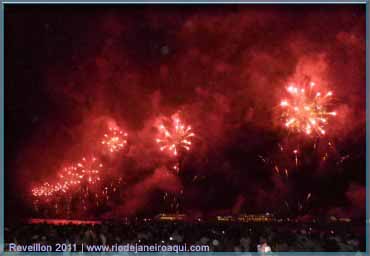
[220, 237]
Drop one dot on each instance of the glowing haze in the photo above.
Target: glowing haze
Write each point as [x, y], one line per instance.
[237, 108]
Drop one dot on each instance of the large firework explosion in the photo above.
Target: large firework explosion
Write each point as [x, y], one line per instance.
[174, 136]
[306, 109]
[114, 140]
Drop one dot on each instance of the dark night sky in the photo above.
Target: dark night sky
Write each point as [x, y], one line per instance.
[68, 68]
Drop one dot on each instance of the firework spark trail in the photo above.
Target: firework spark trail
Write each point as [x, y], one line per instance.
[114, 140]
[175, 137]
[308, 196]
[295, 152]
[281, 162]
[305, 110]
[176, 167]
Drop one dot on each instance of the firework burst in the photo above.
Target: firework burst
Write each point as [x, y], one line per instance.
[114, 140]
[44, 190]
[306, 110]
[85, 171]
[89, 169]
[174, 137]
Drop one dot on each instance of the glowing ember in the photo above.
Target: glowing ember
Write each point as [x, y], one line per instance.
[114, 140]
[174, 137]
[176, 167]
[306, 109]
[308, 196]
